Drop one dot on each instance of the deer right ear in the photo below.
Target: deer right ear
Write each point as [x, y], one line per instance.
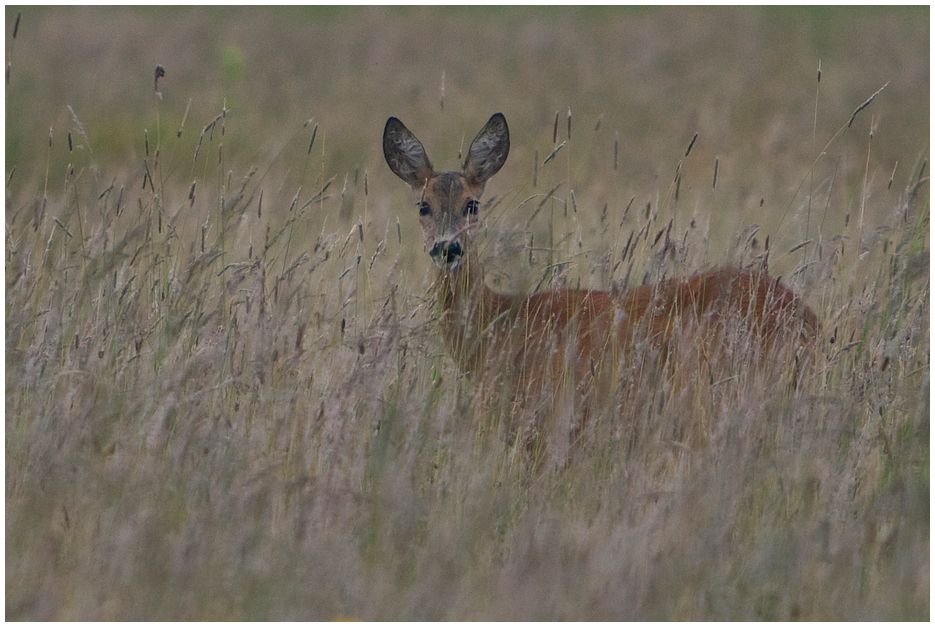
[405, 154]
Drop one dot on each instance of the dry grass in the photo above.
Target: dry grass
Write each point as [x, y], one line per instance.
[225, 393]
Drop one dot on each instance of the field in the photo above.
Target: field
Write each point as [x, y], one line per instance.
[226, 397]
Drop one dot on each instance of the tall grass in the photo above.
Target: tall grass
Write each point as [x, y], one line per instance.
[226, 398]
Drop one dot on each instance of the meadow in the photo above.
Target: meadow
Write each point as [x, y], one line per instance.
[226, 396]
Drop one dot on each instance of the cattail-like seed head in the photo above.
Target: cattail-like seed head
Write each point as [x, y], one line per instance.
[691, 143]
[535, 168]
[312, 141]
[159, 73]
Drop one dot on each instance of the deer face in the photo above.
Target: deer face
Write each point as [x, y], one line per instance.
[447, 202]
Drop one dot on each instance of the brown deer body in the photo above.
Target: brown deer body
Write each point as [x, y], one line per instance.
[559, 338]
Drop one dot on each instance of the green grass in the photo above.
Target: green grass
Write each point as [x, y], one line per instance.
[234, 403]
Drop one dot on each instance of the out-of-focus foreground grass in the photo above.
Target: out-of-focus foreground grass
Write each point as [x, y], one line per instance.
[225, 394]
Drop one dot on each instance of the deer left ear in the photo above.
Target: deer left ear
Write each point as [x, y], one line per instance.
[488, 151]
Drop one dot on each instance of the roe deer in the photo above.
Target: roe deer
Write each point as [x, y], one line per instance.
[557, 338]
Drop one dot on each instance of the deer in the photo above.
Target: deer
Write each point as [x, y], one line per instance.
[566, 344]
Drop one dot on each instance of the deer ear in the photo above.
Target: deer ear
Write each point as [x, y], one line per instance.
[405, 154]
[488, 151]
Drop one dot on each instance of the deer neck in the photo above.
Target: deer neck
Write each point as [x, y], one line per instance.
[469, 313]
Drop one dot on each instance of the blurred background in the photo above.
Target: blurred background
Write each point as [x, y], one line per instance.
[637, 82]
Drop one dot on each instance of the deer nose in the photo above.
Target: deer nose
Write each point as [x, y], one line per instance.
[446, 252]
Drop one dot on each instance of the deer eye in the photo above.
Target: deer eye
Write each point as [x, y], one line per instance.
[471, 207]
[424, 209]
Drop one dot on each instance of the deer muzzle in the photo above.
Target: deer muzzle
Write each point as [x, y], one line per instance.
[447, 253]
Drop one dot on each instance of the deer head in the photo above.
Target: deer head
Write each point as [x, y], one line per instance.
[447, 201]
